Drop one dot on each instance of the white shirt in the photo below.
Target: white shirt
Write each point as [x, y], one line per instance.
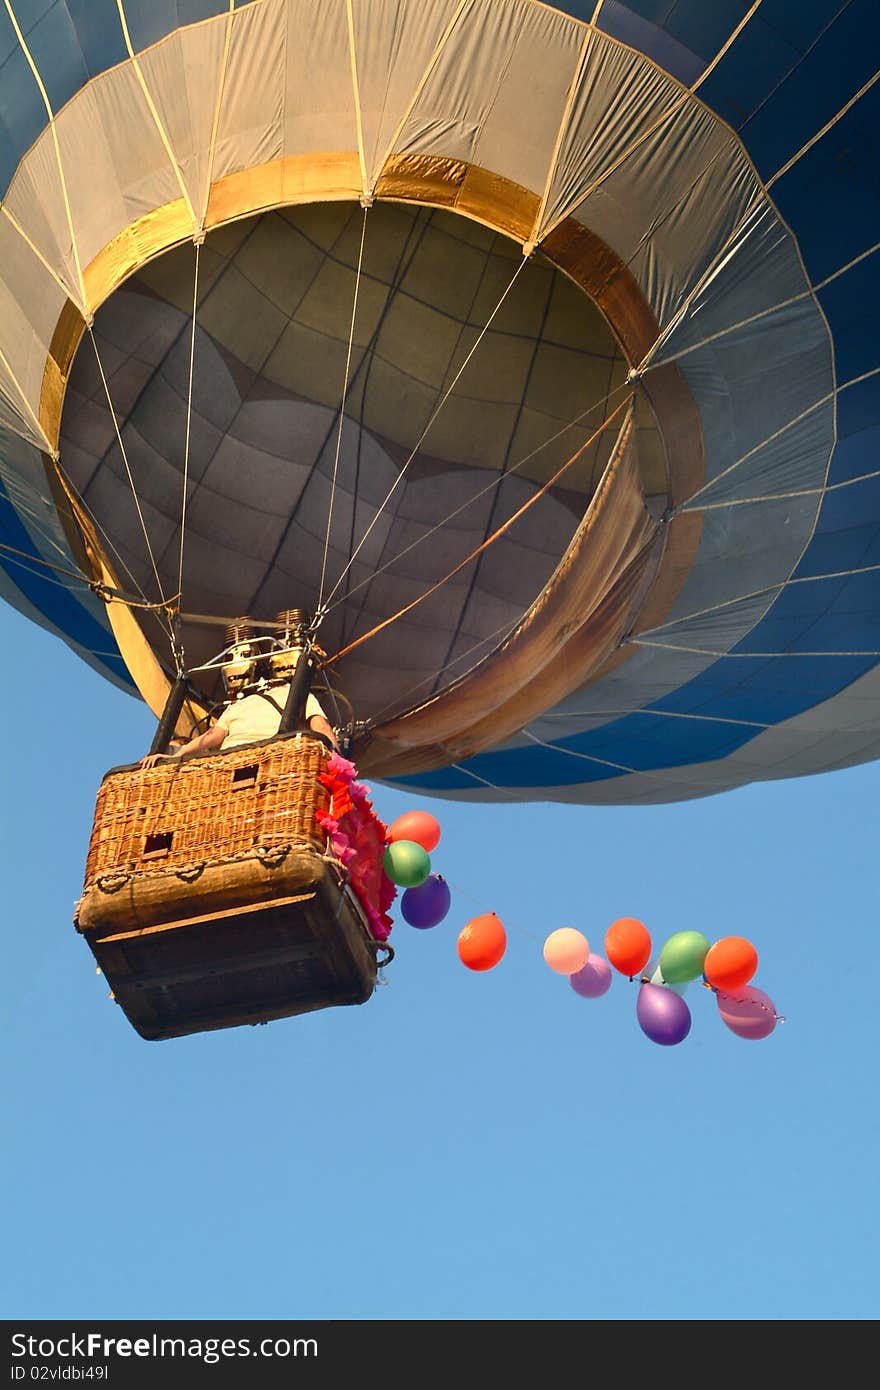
[254, 717]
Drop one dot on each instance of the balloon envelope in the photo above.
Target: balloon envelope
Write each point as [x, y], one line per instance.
[628, 945]
[663, 1016]
[682, 957]
[418, 826]
[749, 1012]
[566, 950]
[428, 904]
[496, 147]
[482, 942]
[656, 978]
[730, 963]
[593, 979]
[406, 863]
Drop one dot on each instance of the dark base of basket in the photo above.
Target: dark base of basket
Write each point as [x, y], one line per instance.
[247, 965]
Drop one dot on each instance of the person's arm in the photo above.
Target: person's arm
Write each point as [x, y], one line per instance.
[203, 743]
[322, 726]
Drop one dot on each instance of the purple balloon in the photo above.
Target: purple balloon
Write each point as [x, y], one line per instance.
[593, 979]
[428, 904]
[748, 1012]
[663, 1016]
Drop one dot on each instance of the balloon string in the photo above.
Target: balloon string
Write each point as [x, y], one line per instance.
[741, 999]
[463, 892]
[641, 976]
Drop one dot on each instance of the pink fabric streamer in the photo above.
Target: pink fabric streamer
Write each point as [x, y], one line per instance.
[358, 839]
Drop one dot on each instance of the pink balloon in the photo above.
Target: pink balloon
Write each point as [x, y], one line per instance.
[593, 979]
[748, 1012]
[566, 950]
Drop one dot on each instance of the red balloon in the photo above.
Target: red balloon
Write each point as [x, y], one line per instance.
[482, 943]
[418, 826]
[730, 963]
[628, 945]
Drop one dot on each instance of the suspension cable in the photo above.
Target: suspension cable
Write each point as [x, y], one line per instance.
[127, 465]
[490, 540]
[496, 482]
[46, 564]
[401, 698]
[357, 285]
[104, 591]
[652, 363]
[440, 404]
[97, 586]
[189, 401]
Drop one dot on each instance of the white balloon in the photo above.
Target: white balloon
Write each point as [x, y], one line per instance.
[657, 979]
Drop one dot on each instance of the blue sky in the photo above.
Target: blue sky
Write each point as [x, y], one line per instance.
[462, 1146]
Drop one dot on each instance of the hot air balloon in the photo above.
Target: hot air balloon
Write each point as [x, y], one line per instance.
[527, 351]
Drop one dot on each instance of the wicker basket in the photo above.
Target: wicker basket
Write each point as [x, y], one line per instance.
[209, 899]
[204, 833]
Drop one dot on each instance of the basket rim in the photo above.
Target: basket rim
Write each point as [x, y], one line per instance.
[311, 735]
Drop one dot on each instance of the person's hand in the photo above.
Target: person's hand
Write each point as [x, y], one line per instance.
[153, 758]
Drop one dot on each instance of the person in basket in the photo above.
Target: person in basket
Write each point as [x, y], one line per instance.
[247, 720]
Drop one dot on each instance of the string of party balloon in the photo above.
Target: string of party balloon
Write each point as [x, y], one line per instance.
[726, 967]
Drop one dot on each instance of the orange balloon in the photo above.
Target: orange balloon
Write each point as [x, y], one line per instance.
[628, 945]
[730, 963]
[482, 943]
[419, 826]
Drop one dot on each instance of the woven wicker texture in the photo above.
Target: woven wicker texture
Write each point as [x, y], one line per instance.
[208, 810]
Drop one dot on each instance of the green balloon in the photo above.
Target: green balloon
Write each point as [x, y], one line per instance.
[408, 865]
[682, 957]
